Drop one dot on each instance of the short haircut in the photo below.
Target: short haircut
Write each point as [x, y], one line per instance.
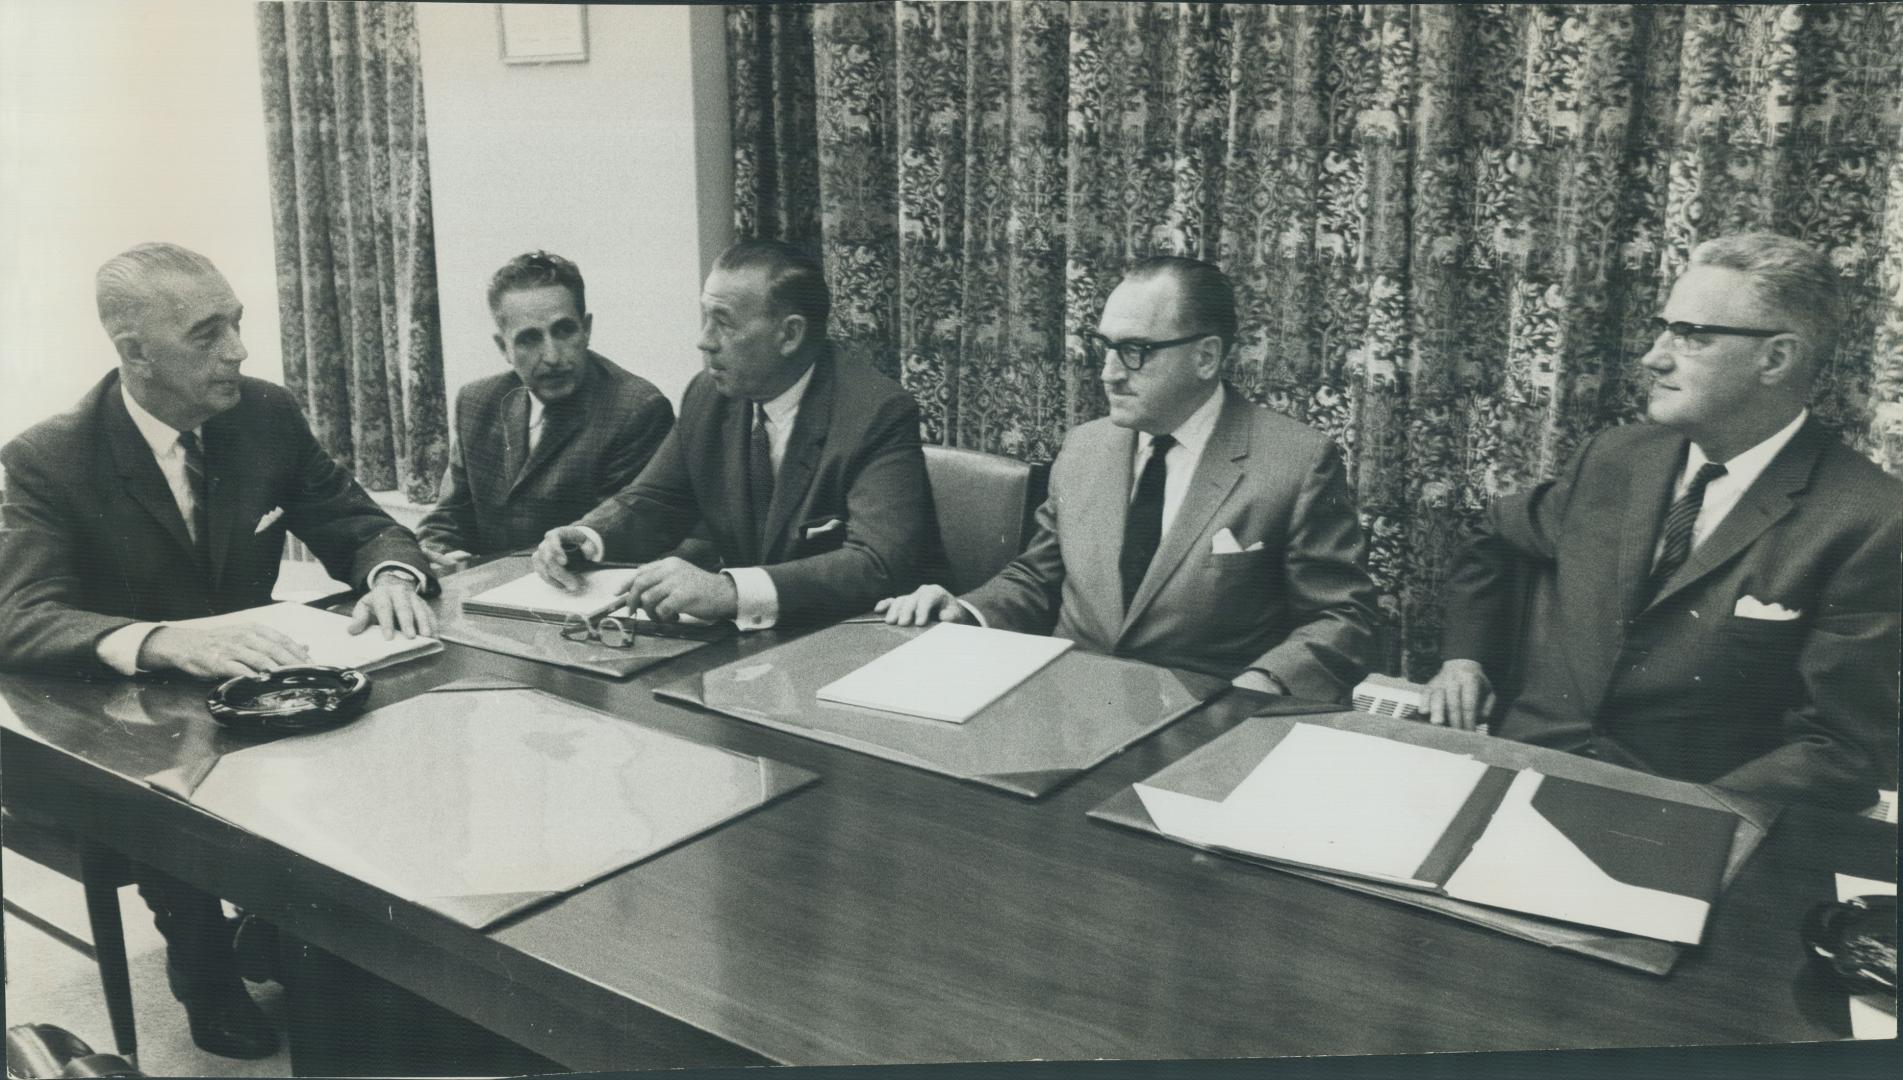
[122, 287]
[1208, 300]
[1792, 278]
[534, 270]
[796, 283]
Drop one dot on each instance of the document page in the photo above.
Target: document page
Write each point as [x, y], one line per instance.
[529, 597]
[327, 636]
[1341, 800]
[950, 672]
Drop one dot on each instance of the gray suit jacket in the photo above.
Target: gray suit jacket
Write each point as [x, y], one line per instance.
[1680, 684]
[498, 498]
[1301, 607]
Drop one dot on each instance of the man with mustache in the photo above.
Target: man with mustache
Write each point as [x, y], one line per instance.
[1726, 576]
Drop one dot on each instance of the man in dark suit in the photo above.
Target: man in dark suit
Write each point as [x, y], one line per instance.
[1726, 576]
[802, 468]
[544, 443]
[1188, 528]
[166, 494]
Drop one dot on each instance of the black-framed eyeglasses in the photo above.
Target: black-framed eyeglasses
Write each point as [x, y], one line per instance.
[1131, 354]
[1684, 333]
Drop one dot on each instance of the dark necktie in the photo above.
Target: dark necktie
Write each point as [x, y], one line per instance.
[760, 474]
[1143, 526]
[1677, 531]
[195, 479]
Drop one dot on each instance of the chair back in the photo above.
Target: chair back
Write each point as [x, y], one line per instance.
[984, 504]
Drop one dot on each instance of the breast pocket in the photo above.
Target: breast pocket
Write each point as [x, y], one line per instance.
[1760, 655]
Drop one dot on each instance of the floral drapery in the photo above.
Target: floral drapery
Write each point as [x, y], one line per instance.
[1447, 224]
[356, 263]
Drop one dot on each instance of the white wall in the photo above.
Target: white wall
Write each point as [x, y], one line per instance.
[620, 163]
[122, 122]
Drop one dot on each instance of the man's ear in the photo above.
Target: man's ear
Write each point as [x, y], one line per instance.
[1783, 362]
[1210, 353]
[131, 350]
[587, 324]
[792, 334]
[502, 346]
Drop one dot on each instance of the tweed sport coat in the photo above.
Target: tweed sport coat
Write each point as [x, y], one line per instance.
[498, 498]
[1689, 684]
[93, 539]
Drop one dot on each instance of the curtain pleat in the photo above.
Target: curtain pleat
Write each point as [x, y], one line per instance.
[1447, 224]
[349, 168]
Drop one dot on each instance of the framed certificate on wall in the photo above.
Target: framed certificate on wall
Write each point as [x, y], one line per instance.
[542, 33]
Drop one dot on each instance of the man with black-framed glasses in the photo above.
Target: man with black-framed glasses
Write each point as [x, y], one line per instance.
[1726, 577]
[1189, 528]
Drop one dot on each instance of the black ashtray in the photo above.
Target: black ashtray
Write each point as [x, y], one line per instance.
[1856, 939]
[290, 699]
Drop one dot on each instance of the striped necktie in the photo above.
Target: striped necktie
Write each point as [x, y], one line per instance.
[200, 520]
[1679, 522]
[760, 475]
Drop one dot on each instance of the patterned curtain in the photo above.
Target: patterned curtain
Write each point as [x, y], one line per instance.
[356, 259]
[1447, 224]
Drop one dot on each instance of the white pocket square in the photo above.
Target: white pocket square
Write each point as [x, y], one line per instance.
[268, 520]
[820, 530]
[1750, 607]
[1225, 543]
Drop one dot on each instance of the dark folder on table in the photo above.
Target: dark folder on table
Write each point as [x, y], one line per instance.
[1574, 853]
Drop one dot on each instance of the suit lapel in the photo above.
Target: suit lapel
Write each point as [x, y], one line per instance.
[515, 426]
[1215, 477]
[802, 455]
[1092, 525]
[1649, 485]
[1769, 498]
[560, 422]
[139, 471]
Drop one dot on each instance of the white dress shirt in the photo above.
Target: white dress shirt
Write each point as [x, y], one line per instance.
[758, 602]
[1723, 493]
[537, 411]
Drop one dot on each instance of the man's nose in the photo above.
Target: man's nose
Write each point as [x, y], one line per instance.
[1658, 357]
[234, 352]
[1113, 373]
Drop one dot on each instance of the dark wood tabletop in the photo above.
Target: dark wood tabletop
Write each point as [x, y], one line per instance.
[887, 914]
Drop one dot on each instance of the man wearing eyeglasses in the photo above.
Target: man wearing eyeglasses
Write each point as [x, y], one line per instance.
[1189, 528]
[551, 438]
[1726, 576]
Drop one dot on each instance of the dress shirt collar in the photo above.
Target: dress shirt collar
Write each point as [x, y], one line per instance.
[1742, 470]
[1192, 433]
[161, 436]
[781, 411]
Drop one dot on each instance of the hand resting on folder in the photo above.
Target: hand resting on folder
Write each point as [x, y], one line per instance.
[666, 589]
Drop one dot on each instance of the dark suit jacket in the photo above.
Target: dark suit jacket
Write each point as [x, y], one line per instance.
[593, 443]
[853, 457]
[1804, 709]
[93, 539]
[1301, 607]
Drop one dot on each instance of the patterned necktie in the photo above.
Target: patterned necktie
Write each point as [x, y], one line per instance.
[1678, 525]
[760, 474]
[1143, 526]
[200, 521]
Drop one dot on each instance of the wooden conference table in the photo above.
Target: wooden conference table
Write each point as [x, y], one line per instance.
[887, 914]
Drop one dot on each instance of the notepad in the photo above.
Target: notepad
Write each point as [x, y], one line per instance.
[529, 597]
[950, 672]
[326, 635]
[1351, 803]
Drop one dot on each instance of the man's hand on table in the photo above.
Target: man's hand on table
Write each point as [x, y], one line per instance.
[1459, 695]
[923, 606]
[219, 652]
[395, 604]
[672, 587]
[559, 548]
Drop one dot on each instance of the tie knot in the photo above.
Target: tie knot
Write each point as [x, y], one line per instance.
[189, 440]
[1161, 444]
[1707, 472]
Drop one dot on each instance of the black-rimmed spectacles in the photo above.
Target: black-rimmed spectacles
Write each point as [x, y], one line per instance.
[1131, 354]
[1684, 334]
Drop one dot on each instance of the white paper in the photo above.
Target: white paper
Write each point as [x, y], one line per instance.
[326, 635]
[1336, 800]
[950, 672]
[1524, 863]
[601, 593]
[1867, 1019]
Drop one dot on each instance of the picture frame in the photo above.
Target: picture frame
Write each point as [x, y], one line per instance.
[542, 33]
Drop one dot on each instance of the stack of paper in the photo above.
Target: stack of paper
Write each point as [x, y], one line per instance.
[327, 636]
[529, 597]
[950, 672]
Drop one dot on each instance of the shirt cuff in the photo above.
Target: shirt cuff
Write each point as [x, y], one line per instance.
[119, 650]
[592, 548]
[759, 601]
[416, 579]
[976, 615]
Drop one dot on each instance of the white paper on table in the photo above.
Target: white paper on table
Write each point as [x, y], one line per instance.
[950, 672]
[326, 635]
[1336, 800]
[1867, 1019]
[601, 592]
[1525, 863]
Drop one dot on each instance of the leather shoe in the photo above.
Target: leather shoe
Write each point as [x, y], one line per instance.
[255, 947]
[224, 1020]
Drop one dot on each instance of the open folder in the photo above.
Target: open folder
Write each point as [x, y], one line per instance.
[1361, 805]
[529, 597]
[950, 672]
